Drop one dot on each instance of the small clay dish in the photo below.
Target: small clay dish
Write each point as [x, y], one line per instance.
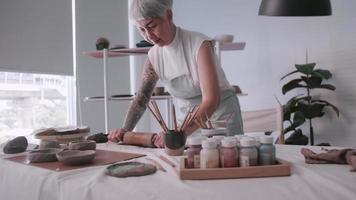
[45, 144]
[82, 145]
[157, 91]
[43, 155]
[76, 157]
[127, 169]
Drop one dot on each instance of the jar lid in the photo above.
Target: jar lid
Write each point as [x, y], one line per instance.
[195, 140]
[239, 137]
[266, 140]
[229, 142]
[247, 142]
[218, 138]
[209, 144]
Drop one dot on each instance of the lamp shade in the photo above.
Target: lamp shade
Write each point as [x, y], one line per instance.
[295, 8]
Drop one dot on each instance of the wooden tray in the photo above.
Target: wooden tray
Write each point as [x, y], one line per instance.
[282, 168]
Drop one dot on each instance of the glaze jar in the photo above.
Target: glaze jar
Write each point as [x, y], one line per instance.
[193, 151]
[209, 155]
[248, 153]
[267, 151]
[228, 153]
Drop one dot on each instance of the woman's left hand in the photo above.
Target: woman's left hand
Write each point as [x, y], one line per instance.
[159, 140]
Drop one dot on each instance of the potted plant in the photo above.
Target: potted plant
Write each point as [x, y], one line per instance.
[303, 108]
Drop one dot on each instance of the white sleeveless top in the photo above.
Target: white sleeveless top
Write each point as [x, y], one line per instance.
[181, 56]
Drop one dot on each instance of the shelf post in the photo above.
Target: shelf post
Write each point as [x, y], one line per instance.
[106, 100]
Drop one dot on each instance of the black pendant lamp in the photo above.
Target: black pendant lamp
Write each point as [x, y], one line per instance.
[295, 8]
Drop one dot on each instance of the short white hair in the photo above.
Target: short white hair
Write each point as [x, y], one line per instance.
[143, 9]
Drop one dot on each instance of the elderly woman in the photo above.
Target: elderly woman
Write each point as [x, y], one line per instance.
[185, 62]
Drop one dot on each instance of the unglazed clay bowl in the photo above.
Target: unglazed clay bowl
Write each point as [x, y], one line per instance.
[76, 157]
[158, 91]
[82, 145]
[45, 144]
[43, 155]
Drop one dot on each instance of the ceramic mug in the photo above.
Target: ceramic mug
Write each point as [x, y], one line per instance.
[174, 143]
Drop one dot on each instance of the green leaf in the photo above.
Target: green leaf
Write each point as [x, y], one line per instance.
[322, 73]
[306, 68]
[292, 106]
[312, 82]
[289, 128]
[325, 86]
[291, 85]
[311, 111]
[298, 118]
[329, 104]
[289, 74]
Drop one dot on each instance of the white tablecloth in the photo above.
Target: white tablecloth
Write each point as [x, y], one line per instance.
[307, 182]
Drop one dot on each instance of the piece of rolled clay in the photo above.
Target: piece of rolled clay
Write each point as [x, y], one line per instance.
[139, 139]
[133, 168]
[337, 156]
[351, 159]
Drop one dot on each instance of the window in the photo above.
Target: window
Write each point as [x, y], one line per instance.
[32, 101]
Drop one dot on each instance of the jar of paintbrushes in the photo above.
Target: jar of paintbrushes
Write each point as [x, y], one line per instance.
[174, 138]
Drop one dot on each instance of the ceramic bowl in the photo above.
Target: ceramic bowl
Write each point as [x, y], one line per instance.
[158, 91]
[43, 155]
[226, 38]
[45, 144]
[76, 157]
[82, 145]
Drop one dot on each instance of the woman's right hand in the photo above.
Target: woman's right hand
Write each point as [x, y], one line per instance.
[117, 135]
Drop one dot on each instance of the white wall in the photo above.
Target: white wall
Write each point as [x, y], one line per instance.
[274, 45]
[105, 18]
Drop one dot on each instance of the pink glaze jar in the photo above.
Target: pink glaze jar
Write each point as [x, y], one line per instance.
[193, 151]
[229, 154]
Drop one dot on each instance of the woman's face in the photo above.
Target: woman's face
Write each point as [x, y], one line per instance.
[158, 31]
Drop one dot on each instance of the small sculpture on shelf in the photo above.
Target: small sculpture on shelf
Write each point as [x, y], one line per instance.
[102, 43]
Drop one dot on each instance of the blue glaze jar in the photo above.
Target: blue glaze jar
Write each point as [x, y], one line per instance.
[267, 151]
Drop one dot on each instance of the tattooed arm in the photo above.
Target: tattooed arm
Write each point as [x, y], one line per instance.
[139, 103]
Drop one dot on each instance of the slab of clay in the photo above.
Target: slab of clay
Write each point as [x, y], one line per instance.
[43, 155]
[82, 145]
[44, 144]
[98, 137]
[76, 157]
[127, 169]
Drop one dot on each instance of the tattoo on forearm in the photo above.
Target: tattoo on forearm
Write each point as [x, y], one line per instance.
[139, 104]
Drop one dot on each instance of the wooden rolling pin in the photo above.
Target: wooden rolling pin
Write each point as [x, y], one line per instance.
[139, 139]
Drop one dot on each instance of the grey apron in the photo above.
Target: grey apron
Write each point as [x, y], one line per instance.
[187, 94]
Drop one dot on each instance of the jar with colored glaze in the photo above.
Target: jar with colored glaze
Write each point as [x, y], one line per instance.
[218, 139]
[228, 153]
[193, 151]
[209, 155]
[248, 153]
[267, 151]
